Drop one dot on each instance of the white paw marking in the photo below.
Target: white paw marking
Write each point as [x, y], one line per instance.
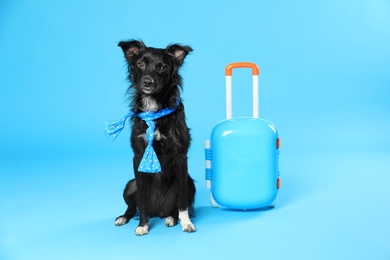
[189, 228]
[140, 231]
[120, 221]
[170, 222]
[185, 221]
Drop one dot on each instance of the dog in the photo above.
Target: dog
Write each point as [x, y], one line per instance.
[156, 84]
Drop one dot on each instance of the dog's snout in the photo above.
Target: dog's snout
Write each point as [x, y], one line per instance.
[147, 82]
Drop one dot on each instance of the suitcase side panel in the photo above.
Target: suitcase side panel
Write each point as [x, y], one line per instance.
[245, 163]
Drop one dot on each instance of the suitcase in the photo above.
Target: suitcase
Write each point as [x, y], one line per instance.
[242, 155]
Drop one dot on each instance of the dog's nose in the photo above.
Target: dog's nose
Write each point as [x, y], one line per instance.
[147, 82]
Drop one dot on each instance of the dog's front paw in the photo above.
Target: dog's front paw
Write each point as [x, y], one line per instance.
[141, 230]
[120, 221]
[185, 221]
[190, 228]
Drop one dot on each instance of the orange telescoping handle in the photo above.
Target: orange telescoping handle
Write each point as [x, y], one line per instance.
[235, 65]
[255, 75]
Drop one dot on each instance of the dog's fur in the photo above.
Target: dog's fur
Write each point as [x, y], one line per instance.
[155, 84]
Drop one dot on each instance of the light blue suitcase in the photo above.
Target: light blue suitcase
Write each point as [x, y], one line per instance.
[242, 155]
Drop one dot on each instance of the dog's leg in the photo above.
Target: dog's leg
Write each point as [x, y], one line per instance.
[129, 195]
[186, 195]
[185, 221]
[142, 201]
[143, 226]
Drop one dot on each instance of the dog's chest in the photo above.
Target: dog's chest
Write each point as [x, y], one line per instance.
[149, 104]
[157, 136]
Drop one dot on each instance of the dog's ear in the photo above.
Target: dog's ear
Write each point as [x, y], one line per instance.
[178, 52]
[131, 48]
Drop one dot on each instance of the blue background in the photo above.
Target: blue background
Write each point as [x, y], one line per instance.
[324, 83]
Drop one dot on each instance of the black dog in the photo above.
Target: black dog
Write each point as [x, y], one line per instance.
[155, 85]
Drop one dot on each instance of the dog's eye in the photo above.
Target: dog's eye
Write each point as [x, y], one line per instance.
[140, 64]
[162, 67]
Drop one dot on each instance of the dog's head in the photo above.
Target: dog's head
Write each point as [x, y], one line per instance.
[152, 70]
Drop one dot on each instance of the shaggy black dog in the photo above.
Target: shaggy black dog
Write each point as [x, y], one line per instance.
[155, 86]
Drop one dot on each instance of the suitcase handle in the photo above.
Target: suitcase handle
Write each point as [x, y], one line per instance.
[236, 65]
[255, 75]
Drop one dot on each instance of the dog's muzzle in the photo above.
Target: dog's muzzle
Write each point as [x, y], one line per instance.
[147, 84]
